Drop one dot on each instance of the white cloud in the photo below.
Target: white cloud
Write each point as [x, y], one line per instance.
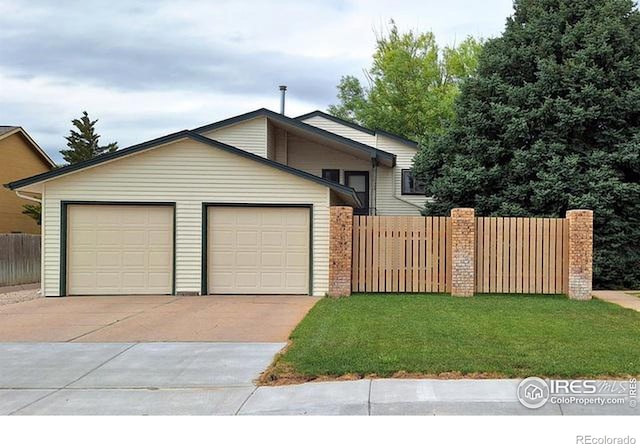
[149, 68]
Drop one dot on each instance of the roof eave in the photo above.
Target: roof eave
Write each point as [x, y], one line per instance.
[69, 169]
[355, 126]
[263, 112]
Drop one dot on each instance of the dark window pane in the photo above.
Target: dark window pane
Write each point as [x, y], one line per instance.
[410, 185]
[332, 175]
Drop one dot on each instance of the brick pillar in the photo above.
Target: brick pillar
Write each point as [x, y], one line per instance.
[340, 239]
[463, 239]
[580, 253]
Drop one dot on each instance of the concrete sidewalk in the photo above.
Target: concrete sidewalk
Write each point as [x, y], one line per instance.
[218, 379]
[130, 379]
[621, 298]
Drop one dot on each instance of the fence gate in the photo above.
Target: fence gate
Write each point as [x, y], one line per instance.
[401, 254]
[522, 255]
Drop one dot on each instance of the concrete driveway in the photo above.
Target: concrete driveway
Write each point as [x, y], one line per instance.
[154, 319]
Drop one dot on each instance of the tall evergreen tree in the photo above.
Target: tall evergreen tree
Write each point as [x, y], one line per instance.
[83, 141]
[551, 122]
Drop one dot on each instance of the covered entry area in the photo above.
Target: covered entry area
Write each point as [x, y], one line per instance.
[257, 249]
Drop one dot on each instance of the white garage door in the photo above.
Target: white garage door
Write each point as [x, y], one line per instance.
[119, 249]
[258, 250]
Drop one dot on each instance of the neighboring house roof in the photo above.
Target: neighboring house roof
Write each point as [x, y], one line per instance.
[263, 112]
[355, 126]
[342, 190]
[7, 130]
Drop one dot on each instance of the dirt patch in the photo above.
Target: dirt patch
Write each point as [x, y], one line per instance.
[14, 297]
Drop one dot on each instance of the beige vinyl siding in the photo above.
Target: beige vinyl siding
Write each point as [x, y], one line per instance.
[342, 130]
[390, 200]
[250, 135]
[271, 141]
[313, 158]
[188, 173]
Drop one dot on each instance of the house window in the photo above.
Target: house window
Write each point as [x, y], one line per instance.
[410, 185]
[332, 175]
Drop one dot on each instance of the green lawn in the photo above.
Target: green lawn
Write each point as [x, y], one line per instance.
[436, 334]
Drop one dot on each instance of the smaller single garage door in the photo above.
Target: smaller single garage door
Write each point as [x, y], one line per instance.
[258, 250]
[119, 249]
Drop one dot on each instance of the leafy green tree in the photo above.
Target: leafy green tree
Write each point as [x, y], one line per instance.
[551, 122]
[83, 142]
[412, 84]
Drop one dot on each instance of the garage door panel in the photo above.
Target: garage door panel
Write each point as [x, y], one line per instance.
[101, 259]
[273, 219]
[300, 240]
[296, 220]
[271, 259]
[108, 238]
[108, 280]
[296, 259]
[134, 280]
[272, 280]
[83, 257]
[159, 238]
[115, 249]
[244, 258]
[295, 279]
[82, 237]
[272, 238]
[131, 238]
[222, 238]
[246, 238]
[243, 218]
[134, 258]
[159, 259]
[249, 249]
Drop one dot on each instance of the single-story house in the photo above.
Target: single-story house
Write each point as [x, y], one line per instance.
[20, 156]
[239, 206]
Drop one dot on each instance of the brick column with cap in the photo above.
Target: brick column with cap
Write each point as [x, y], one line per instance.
[463, 238]
[340, 244]
[580, 253]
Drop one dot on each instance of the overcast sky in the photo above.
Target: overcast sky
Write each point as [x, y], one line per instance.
[150, 68]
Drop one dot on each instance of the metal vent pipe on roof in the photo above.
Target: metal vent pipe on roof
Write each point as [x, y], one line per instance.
[283, 89]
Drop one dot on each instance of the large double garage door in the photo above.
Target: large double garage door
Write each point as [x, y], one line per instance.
[129, 249]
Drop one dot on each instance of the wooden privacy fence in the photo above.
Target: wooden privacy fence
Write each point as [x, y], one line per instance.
[521, 255]
[414, 254]
[19, 259]
[401, 254]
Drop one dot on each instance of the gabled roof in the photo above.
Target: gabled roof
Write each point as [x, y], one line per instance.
[343, 190]
[7, 130]
[355, 126]
[263, 112]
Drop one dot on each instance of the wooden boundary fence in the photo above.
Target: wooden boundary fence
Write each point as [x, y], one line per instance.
[401, 254]
[19, 259]
[521, 255]
[413, 254]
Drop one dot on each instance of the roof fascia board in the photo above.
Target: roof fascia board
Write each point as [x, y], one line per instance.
[355, 126]
[373, 152]
[105, 158]
[40, 151]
